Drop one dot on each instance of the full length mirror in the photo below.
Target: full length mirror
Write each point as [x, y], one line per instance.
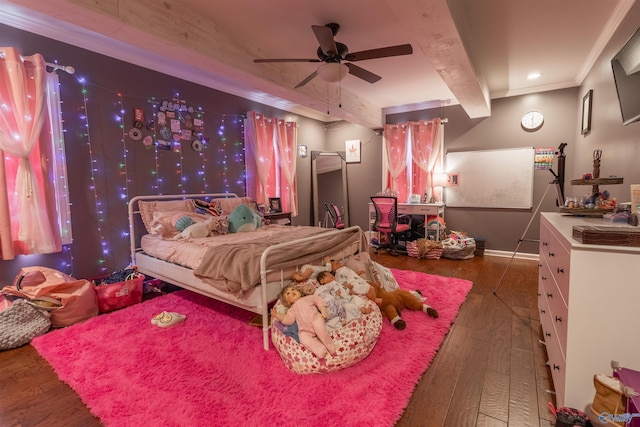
[329, 181]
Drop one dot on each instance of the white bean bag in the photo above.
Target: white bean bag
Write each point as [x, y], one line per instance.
[354, 341]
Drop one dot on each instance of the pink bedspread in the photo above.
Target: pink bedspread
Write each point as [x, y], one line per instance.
[240, 263]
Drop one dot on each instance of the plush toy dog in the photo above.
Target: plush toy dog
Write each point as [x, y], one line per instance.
[197, 230]
[393, 302]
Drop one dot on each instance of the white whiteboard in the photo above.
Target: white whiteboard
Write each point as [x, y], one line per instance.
[491, 178]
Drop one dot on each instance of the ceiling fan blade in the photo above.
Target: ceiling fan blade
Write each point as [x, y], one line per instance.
[307, 80]
[286, 60]
[383, 52]
[324, 35]
[362, 73]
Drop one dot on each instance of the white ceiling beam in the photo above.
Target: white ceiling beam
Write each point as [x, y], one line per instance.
[147, 32]
[433, 26]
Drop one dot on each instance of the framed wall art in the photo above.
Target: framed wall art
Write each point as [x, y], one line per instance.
[586, 112]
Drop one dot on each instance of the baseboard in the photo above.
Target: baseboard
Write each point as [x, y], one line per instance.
[518, 255]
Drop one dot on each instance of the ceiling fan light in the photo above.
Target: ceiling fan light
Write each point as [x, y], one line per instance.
[333, 71]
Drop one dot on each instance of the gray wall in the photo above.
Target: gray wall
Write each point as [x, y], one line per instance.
[500, 228]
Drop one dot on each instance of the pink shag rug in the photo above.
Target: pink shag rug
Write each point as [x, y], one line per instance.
[212, 370]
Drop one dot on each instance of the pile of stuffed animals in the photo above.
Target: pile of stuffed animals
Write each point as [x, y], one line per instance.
[241, 219]
[391, 301]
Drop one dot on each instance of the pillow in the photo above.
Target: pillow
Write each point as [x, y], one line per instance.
[148, 208]
[384, 277]
[361, 262]
[163, 224]
[227, 205]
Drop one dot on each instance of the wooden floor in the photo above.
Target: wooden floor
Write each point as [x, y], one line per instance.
[490, 370]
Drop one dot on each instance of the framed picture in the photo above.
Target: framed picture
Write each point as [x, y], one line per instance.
[302, 151]
[586, 111]
[274, 204]
[352, 150]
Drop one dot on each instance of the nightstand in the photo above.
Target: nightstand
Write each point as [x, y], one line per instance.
[283, 218]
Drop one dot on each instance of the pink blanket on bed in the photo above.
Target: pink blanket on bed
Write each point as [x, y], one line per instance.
[240, 263]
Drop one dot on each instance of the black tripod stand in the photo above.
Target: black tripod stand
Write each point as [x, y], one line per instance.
[558, 183]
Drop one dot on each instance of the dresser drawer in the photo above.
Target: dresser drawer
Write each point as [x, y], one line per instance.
[558, 313]
[555, 355]
[549, 297]
[558, 259]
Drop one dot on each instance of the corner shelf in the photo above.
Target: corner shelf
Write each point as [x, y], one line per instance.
[595, 182]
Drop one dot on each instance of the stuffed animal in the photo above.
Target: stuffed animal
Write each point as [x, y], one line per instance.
[393, 302]
[197, 230]
[242, 218]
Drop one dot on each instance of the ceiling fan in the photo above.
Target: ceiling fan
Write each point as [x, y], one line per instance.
[332, 53]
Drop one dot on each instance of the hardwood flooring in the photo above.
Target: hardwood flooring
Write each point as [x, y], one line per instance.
[490, 370]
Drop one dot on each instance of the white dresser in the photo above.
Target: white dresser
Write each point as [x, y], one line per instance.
[589, 306]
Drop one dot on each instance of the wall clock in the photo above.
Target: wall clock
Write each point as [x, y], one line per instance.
[532, 121]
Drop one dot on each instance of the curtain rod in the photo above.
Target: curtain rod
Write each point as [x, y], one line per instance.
[66, 68]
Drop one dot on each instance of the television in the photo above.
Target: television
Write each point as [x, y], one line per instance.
[626, 74]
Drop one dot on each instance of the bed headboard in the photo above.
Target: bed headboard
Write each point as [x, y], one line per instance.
[136, 225]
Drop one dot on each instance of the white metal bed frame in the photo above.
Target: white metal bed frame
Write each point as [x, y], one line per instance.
[197, 285]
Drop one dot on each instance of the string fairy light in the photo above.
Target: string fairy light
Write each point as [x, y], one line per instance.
[92, 186]
[124, 190]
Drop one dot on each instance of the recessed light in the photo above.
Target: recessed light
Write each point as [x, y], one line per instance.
[534, 75]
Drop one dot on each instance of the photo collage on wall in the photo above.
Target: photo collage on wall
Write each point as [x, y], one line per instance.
[175, 123]
[178, 123]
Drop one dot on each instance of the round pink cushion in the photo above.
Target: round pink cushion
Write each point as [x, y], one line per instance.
[354, 342]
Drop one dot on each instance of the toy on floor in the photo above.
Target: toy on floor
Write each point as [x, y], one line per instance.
[309, 312]
[394, 302]
[166, 319]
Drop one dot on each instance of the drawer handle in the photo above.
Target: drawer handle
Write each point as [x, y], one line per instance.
[543, 278]
[560, 270]
[547, 334]
[558, 319]
[545, 244]
[551, 254]
[549, 295]
[556, 367]
[542, 311]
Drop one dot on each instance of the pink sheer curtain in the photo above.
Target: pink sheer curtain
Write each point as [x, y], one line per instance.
[259, 134]
[395, 144]
[271, 160]
[287, 142]
[426, 152]
[27, 222]
[426, 139]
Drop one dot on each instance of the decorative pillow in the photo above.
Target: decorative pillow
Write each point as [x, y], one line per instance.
[384, 277]
[359, 263]
[164, 223]
[183, 222]
[354, 342]
[227, 205]
[205, 207]
[148, 208]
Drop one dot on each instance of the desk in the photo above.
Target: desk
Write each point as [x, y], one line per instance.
[423, 209]
[283, 218]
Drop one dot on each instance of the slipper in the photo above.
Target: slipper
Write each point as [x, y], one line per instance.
[155, 319]
[170, 319]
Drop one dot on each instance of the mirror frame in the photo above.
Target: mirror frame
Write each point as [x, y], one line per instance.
[314, 183]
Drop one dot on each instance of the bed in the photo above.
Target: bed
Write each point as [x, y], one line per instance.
[246, 269]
